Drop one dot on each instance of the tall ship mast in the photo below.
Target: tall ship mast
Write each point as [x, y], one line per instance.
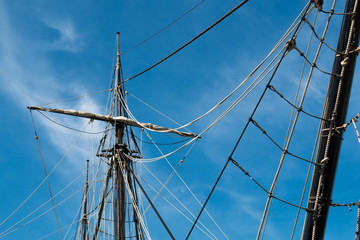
[256, 162]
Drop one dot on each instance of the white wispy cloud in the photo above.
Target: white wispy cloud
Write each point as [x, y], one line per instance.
[69, 38]
[28, 78]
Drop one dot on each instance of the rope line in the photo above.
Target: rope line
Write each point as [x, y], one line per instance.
[313, 64]
[317, 205]
[159, 194]
[171, 23]
[282, 39]
[151, 107]
[278, 145]
[46, 236]
[73, 129]
[187, 187]
[272, 88]
[320, 39]
[67, 99]
[263, 188]
[147, 197]
[37, 188]
[5, 234]
[46, 176]
[333, 12]
[273, 186]
[41, 206]
[291, 119]
[165, 144]
[186, 44]
[177, 199]
[305, 10]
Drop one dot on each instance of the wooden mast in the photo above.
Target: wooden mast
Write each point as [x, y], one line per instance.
[123, 175]
[121, 169]
[119, 184]
[84, 218]
[335, 110]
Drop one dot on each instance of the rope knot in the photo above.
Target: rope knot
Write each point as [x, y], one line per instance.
[324, 161]
[290, 45]
[318, 4]
[345, 61]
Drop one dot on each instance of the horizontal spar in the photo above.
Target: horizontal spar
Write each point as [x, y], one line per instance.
[113, 120]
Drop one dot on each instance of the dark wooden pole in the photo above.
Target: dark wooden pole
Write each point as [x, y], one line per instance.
[335, 110]
[119, 204]
[84, 218]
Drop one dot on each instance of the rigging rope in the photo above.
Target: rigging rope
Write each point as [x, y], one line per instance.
[318, 205]
[313, 64]
[5, 233]
[307, 7]
[67, 99]
[289, 127]
[73, 129]
[188, 188]
[63, 157]
[158, 193]
[41, 206]
[320, 39]
[133, 201]
[149, 200]
[272, 88]
[285, 151]
[186, 44]
[242, 96]
[46, 176]
[163, 186]
[282, 39]
[263, 188]
[171, 23]
[46, 236]
[273, 186]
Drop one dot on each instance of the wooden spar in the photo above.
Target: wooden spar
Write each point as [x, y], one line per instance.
[120, 205]
[113, 120]
[102, 204]
[84, 217]
[335, 110]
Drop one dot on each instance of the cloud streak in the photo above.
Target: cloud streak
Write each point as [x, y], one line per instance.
[28, 77]
[69, 38]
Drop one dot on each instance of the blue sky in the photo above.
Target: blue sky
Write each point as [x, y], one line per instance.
[52, 50]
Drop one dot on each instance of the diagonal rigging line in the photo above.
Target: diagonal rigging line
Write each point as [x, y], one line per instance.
[320, 39]
[177, 209]
[285, 151]
[46, 175]
[247, 124]
[186, 44]
[158, 193]
[7, 233]
[289, 138]
[293, 26]
[293, 115]
[42, 205]
[37, 188]
[272, 88]
[171, 23]
[263, 188]
[73, 129]
[48, 235]
[282, 39]
[134, 201]
[313, 64]
[176, 172]
[147, 197]
[67, 99]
